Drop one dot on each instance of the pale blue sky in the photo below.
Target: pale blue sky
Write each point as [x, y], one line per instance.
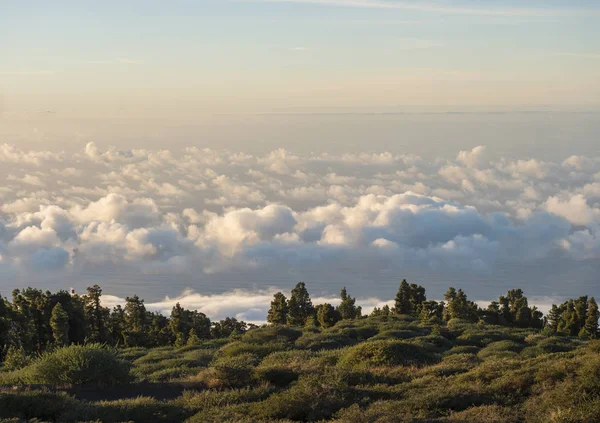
[179, 58]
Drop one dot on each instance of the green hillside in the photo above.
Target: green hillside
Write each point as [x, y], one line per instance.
[420, 366]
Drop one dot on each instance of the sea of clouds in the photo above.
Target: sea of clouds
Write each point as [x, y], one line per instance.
[234, 227]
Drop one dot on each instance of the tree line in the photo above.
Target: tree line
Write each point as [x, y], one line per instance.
[36, 320]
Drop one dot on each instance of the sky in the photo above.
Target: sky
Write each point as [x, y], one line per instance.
[187, 58]
[214, 152]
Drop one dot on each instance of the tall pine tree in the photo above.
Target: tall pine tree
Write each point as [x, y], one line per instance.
[59, 322]
[278, 312]
[402, 302]
[299, 306]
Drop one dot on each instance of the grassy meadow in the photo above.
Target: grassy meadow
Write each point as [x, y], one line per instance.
[371, 369]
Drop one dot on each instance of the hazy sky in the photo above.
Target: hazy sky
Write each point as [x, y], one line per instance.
[191, 58]
[193, 149]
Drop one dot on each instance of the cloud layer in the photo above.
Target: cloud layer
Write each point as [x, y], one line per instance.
[156, 222]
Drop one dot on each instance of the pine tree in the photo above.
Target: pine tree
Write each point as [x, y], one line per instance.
[381, 312]
[96, 315]
[327, 316]
[193, 338]
[459, 307]
[555, 317]
[117, 325]
[176, 321]
[180, 340]
[431, 311]
[590, 328]
[299, 306]
[417, 297]
[402, 302]
[227, 327]
[135, 314]
[449, 296]
[347, 308]
[278, 312]
[59, 322]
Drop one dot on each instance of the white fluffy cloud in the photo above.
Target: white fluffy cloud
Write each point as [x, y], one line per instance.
[210, 217]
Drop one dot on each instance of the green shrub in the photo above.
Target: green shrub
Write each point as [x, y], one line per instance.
[210, 398]
[77, 364]
[312, 398]
[360, 333]
[15, 358]
[324, 341]
[433, 344]
[240, 348]
[500, 348]
[233, 371]
[42, 405]
[396, 334]
[141, 409]
[486, 414]
[282, 368]
[271, 334]
[386, 353]
[463, 349]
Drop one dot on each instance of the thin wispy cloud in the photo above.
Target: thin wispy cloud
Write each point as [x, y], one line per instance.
[438, 8]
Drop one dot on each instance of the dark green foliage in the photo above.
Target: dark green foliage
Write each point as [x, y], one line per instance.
[234, 371]
[381, 313]
[459, 307]
[570, 318]
[409, 298]
[347, 308]
[323, 341]
[278, 334]
[311, 398]
[386, 353]
[513, 310]
[327, 316]
[59, 322]
[96, 316]
[441, 362]
[227, 327]
[15, 358]
[590, 327]
[34, 405]
[75, 364]
[299, 306]
[279, 310]
[183, 323]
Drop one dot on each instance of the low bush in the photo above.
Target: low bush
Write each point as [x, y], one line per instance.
[241, 348]
[76, 365]
[271, 334]
[232, 372]
[313, 397]
[141, 409]
[41, 405]
[323, 341]
[386, 353]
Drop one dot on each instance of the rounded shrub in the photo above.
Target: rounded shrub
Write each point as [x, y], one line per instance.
[277, 334]
[386, 353]
[323, 341]
[503, 348]
[261, 350]
[396, 334]
[79, 364]
[233, 371]
[462, 349]
[34, 405]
